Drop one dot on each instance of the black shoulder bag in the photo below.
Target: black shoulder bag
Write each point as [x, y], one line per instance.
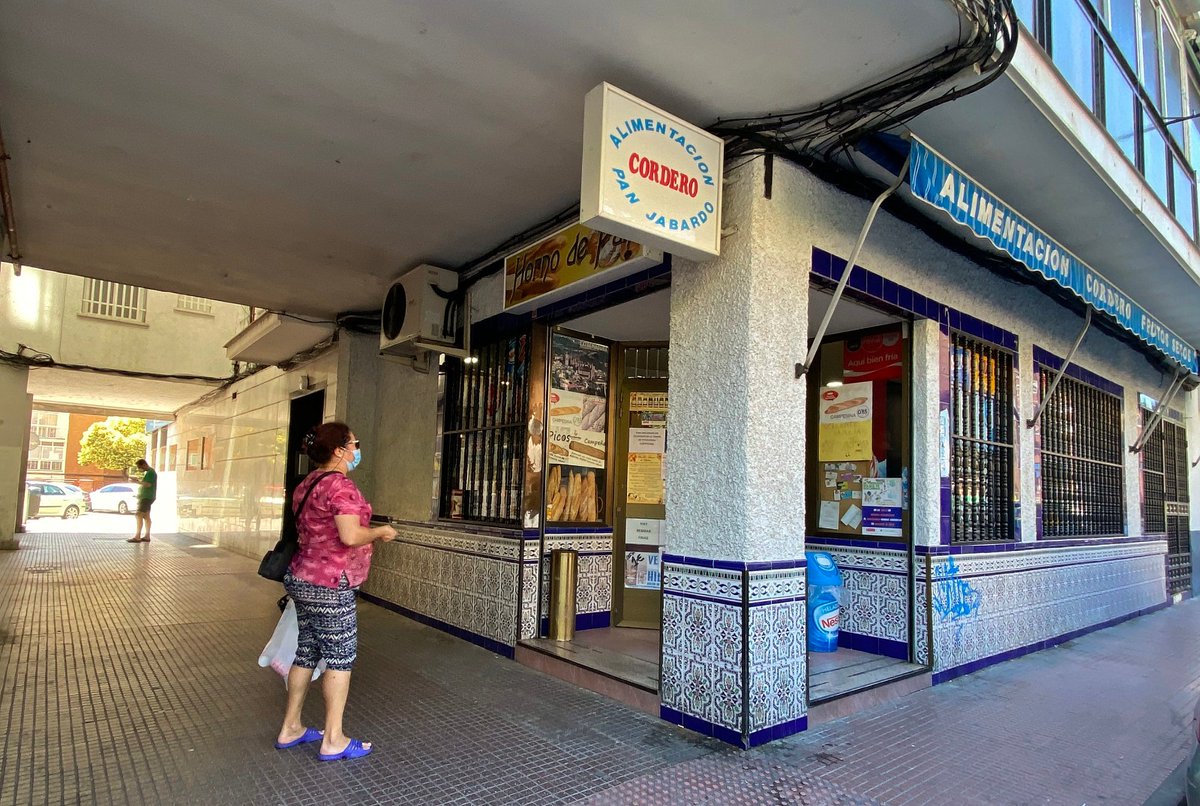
[275, 563]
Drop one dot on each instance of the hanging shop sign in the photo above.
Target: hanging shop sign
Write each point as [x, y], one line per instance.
[566, 262]
[844, 427]
[649, 176]
[938, 182]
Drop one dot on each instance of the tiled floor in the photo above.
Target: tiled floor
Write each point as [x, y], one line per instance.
[832, 674]
[127, 675]
[623, 653]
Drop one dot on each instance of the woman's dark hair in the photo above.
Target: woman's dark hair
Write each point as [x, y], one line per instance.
[323, 440]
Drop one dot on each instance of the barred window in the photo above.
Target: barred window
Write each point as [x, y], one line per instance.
[484, 433]
[186, 302]
[1165, 498]
[981, 381]
[108, 300]
[1083, 490]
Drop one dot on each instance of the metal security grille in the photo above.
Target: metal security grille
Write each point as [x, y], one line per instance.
[484, 433]
[982, 451]
[109, 300]
[1083, 490]
[186, 302]
[646, 362]
[1165, 498]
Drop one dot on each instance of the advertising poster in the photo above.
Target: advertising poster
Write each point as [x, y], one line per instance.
[883, 502]
[577, 429]
[535, 432]
[643, 570]
[844, 428]
[874, 357]
[644, 479]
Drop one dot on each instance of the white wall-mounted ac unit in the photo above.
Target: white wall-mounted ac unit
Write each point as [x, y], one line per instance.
[414, 313]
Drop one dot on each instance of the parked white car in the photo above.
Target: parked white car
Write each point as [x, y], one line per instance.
[120, 497]
[56, 498]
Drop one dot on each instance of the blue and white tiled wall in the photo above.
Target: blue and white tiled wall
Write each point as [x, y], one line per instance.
[594, 587]
[734, 664]
[463, 581]
[990, 606]
[874, 611]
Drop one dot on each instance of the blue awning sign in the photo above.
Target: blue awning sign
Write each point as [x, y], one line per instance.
[938, 182]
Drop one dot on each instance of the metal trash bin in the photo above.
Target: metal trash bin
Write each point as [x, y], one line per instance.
[564, 567]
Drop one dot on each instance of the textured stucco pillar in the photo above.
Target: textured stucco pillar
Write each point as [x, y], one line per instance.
[15, 407]
[733, 570]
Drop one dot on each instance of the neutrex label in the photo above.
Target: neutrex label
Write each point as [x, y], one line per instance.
[649, 176]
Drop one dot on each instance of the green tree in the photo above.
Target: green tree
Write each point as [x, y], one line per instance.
[114, 444]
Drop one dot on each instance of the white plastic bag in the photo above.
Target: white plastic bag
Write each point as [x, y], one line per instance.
[280, 651]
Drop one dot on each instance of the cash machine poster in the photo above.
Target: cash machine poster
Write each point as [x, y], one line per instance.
[844, 429]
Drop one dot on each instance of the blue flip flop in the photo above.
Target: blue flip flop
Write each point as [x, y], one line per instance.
[310, 735]
[353, 750]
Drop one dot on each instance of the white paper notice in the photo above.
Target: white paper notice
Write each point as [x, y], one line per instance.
[829, 515]
[853, 517]
[882, 492]
[643, 531]
[647, 440]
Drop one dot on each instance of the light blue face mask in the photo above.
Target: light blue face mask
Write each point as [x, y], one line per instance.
[354, 460]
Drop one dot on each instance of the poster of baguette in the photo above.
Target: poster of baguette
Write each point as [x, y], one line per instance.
[844, 426]
[577, 430]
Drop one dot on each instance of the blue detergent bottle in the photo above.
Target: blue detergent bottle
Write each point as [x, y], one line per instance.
[824, 600]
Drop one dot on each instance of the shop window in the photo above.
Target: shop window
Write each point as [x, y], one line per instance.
[1165, 497]
[862, 418]
[484, 433]
[981, 454]
[1072, 48]
[1082, 448]
[577, 432]
[1194, 127]
[107, 300]
[192, 304]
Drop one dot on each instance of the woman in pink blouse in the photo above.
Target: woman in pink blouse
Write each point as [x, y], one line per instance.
[331, 562]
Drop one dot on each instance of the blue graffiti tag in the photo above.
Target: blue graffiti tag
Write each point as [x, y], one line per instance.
[954, 599]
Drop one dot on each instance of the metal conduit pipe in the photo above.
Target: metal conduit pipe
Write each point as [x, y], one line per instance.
[6, 210]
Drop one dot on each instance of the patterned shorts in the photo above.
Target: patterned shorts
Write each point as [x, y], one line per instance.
[328, 624]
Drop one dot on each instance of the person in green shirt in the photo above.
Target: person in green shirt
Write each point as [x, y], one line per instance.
[147, 492]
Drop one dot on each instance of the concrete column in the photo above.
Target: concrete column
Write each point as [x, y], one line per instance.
[733, 570]
[15, 410]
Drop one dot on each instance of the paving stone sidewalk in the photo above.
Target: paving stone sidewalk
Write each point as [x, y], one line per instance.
[127, 675]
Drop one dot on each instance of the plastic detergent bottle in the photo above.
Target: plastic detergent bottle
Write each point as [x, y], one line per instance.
[824, 599]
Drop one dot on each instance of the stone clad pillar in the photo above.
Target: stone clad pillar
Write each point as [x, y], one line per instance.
[734, 662]
[15, 411]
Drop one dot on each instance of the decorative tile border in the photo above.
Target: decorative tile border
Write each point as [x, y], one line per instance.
[1041, 545]
[734, 664]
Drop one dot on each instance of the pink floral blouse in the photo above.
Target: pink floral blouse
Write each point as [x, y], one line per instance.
[322, 557]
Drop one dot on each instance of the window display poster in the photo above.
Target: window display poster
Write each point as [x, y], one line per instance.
[844, 426]
[578, 416]
[882, 521]
[643, 570]
[874, 356]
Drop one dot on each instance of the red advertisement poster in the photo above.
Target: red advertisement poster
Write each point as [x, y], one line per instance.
[874, 357]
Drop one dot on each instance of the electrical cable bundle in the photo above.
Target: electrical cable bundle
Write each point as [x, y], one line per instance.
[986, 43]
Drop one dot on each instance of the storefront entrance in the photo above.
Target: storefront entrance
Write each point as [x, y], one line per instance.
[857, 488]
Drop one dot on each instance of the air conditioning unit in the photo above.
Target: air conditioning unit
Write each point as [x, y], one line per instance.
[414, 313]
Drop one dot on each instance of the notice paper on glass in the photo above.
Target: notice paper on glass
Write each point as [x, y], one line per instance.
[647, 440]
[647, 531]
[853, 517]
[644, 480]
[829, 515]
[882, 492]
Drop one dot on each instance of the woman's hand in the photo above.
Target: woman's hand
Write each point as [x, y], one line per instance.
[386, 533]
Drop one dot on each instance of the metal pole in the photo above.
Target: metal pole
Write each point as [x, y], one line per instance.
[804, 367]
[6, 210]
[1156, 416]
[1087, 322]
